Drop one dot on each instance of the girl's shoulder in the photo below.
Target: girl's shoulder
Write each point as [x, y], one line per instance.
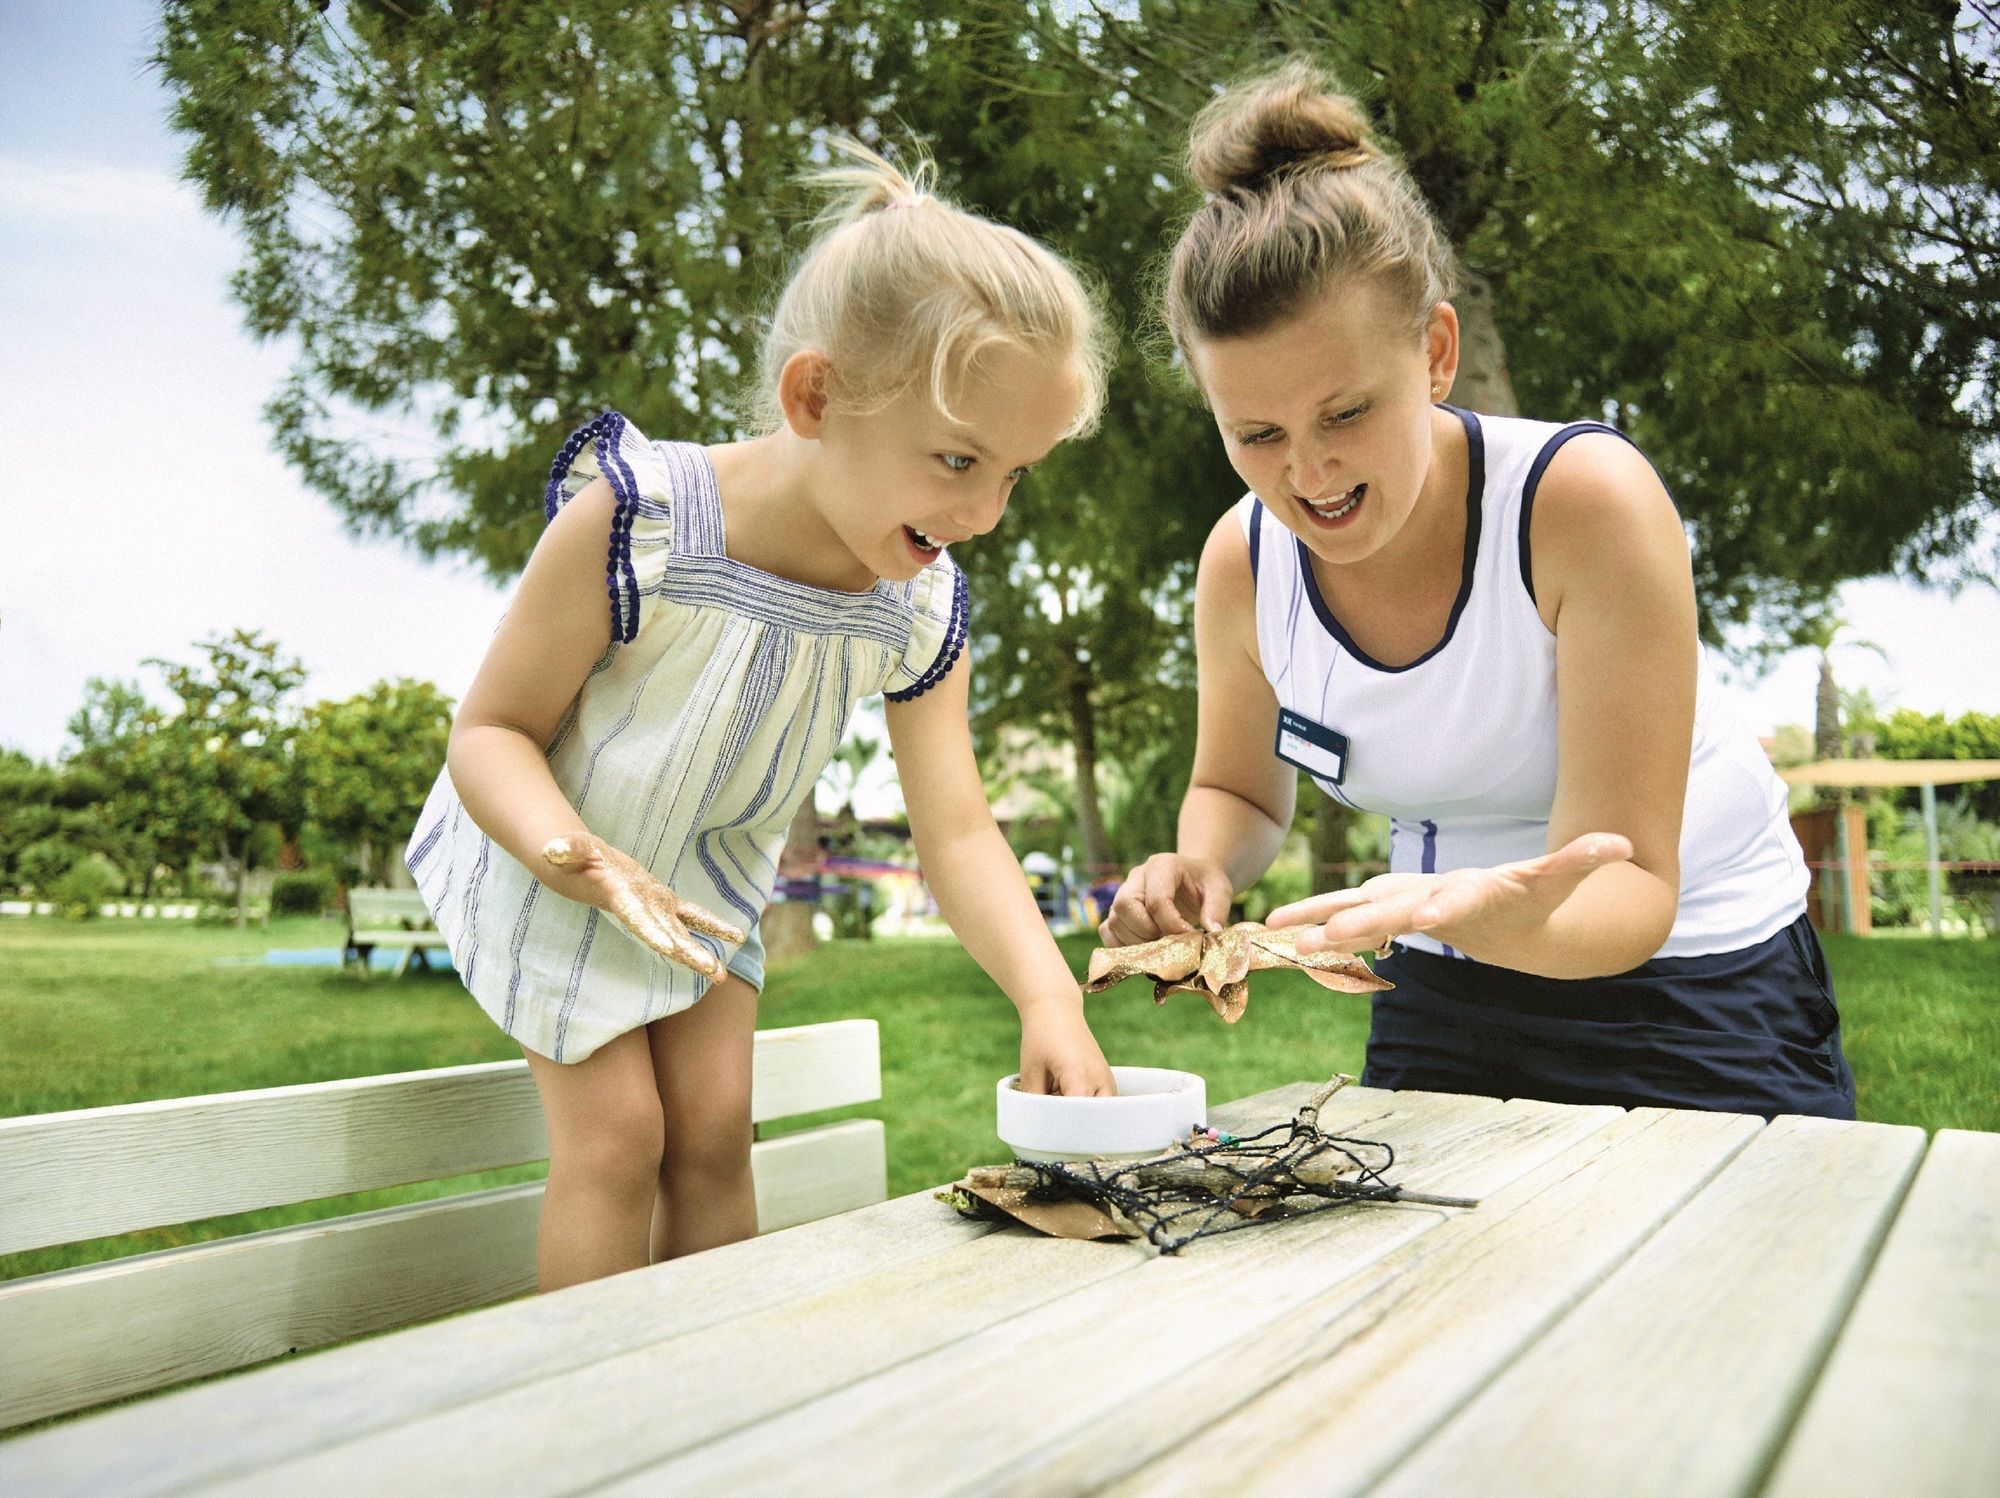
[662, 505]
[940, 612]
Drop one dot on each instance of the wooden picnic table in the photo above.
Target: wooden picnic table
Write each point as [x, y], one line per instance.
[1646, 1302]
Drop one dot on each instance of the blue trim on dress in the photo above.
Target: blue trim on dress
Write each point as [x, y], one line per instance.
[606, 430]
[1256, 527]
[1549, 449]
[1475, 488]
[954, 642]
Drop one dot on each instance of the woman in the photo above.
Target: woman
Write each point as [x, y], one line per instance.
[1483, 627]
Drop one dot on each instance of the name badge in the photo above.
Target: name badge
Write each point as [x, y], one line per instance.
[1313, 747]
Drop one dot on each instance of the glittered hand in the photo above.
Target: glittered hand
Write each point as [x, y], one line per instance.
[616, 883]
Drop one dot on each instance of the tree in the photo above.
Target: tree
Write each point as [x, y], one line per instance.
[221, 768]
[490, 226]
[1761, 236]
[366, 764]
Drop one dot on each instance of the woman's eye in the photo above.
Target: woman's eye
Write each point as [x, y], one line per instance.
[1020, 473]
[956, 462]
[1258, 438]
[1347, 416]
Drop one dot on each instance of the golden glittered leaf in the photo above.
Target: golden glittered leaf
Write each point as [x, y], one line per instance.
[1217, 965]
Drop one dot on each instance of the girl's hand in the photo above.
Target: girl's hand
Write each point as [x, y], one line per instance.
[1459, 908]
[1168, 895]
[1059, 1054]
[588, 869]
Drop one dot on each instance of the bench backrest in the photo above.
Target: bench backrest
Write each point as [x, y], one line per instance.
[388, 910]
[78, 1337]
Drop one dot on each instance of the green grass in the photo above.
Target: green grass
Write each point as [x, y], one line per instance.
[118, 1012]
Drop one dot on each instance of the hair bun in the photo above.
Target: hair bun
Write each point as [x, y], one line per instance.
[1288, 121]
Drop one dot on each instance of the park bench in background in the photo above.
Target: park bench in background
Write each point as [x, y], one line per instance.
[389, 918]
[78, 1337]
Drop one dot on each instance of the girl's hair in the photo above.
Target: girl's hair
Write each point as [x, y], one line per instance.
[899, 287]
[1299, 196]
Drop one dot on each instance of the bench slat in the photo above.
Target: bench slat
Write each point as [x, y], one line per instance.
[88, 1173]
[82, 1336]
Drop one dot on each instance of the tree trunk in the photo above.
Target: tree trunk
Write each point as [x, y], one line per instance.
[787, 925]
[1482, 383]
[1089, 815]
[1328, 842]
[1826, 714]
[242, 883]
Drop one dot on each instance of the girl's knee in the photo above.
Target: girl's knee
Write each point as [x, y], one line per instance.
[700, 1159]
[622, 1144]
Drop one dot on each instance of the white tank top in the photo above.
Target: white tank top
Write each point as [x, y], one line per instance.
[1458, 748]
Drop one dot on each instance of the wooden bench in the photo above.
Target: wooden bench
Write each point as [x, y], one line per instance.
[389, 918]
[78, 1337]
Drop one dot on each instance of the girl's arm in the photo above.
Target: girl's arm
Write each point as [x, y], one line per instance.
[557, 628]
[1239, 801]
[1612, 581]
[981, 892]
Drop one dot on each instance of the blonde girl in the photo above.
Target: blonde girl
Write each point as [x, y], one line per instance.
[1484, 628]
[685, 648]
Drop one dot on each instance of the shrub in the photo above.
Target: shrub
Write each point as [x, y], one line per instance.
[308, 892]
[85, 885]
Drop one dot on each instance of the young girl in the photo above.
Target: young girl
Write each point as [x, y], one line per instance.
[642, 760]
[1485, 628]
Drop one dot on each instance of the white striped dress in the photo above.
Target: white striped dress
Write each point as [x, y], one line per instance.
[723, 693]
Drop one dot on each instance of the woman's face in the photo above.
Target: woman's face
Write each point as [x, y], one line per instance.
[1327, 415]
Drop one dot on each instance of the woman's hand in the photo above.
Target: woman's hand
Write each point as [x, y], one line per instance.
[1462, 909]
[1059, 1054]
[1168, 895]
[587, 869]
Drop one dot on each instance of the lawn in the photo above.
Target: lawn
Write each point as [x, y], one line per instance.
[121, 1012]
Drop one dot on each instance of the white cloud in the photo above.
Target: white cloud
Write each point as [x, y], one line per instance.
[35, 190]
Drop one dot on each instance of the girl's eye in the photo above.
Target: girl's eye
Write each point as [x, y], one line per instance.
[1258, 438]
[1349, 416]
[1020, 473]
[956, 462]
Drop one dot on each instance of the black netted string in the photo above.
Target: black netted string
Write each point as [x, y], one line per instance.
[1265, 1167]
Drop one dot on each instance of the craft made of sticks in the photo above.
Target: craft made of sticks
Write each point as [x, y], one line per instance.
[1217, 965]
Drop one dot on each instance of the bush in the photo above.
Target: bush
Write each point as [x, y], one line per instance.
[85, 886]
[308, 892]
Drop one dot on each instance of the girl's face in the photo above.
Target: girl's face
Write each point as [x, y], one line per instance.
[907, 481]
[1327, 415]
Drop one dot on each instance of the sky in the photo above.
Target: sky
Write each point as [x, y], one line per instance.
[144, 507]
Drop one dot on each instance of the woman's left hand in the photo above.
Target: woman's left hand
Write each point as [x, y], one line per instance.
[1459, 908]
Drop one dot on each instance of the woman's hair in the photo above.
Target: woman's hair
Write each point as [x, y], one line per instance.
[900, 287]
[1299, 195]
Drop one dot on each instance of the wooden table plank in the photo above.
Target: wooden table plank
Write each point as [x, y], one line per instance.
[962, 1410]
[1910, 1401]
[598, 1420]
[1349, 1382]
[1680, 1374]
[276, 1412]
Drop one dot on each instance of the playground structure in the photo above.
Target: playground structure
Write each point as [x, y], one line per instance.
[1835, 839]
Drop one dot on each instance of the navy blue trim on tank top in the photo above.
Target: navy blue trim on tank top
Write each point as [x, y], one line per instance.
[1549, 449]
[1256, 527]
[1475, 488]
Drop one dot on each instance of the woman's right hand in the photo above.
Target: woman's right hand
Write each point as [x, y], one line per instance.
[1168, 895]
[587, 869]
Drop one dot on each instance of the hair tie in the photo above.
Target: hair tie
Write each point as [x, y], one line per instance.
[895, 203]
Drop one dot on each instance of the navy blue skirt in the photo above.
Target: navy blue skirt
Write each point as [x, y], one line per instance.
[1749, 1031]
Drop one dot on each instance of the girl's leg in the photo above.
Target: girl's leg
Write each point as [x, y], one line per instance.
[605, 1139]
[701, 1064]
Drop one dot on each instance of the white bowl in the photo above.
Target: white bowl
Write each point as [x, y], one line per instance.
[1153, 1111]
